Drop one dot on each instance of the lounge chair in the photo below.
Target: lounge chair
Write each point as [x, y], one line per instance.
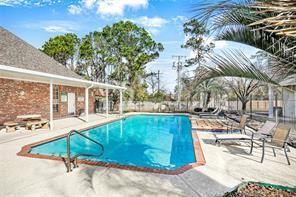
[264, 132]
[278, 141]
[211, 112]
[241, 126]
[210, 115]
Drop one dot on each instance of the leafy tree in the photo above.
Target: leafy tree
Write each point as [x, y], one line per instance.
[63, 48]
[132, 48]
[139, 93]
[158, 96]
[196, 41]
[117, 54]
[95, 56]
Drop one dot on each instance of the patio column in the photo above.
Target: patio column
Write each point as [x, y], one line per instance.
[51, 105]
[107, 102]
[120, 104]
[86, 104]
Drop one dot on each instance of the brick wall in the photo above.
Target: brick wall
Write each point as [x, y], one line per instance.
[20, 98]
[79, 92]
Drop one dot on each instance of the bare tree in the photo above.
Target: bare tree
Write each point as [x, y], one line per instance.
[243, 88]
[151, 79]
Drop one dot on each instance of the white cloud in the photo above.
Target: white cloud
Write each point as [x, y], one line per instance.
[11, 2]
[14, 3]
[89, 3]
[74, 9]
[179, 19]
[152, 24]
[57, 29]
[153, 31]
[54, 26]
[114, 7]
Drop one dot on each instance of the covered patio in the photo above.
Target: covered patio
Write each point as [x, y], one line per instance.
[8, 72]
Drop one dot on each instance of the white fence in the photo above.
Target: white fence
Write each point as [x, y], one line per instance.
[257, 105]
[158, 107]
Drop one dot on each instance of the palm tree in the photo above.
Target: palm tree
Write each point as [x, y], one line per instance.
[209, 88]
[193, 89]
[245, 22]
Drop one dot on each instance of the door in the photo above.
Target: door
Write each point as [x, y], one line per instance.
[71, 103]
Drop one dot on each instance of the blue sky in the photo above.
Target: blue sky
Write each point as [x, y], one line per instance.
[36, 21]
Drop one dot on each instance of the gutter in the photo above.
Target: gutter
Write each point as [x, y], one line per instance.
[54, 76]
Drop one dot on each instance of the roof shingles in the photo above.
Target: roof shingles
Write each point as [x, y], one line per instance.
[17, 53]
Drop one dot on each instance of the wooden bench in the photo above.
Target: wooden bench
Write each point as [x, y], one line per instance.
[10, 126]
[32, 125]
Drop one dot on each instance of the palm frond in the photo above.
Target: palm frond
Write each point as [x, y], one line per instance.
[281, 61]
[233, 64]
[282, 21]
[258, 23]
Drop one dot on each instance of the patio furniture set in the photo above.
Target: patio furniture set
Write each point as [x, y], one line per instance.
[269, 135]
[30, 122]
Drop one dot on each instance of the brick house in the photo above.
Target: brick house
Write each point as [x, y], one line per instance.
[33, 83]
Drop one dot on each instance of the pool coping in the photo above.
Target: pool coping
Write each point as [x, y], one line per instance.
[199, 156]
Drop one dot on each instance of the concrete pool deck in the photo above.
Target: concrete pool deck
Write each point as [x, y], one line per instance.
[226, 166]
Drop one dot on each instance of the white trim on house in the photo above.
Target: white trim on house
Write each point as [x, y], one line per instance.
[54, 77]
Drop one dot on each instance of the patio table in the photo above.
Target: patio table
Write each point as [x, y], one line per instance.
[29, 117]
[33, 121]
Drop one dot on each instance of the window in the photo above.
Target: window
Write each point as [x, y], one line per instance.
[55, 98]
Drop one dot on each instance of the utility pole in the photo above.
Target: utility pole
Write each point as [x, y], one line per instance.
[178, 65]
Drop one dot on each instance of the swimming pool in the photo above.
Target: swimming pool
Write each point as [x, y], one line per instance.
[149, 141]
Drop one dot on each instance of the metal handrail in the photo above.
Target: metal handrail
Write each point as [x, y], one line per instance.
[69, 148]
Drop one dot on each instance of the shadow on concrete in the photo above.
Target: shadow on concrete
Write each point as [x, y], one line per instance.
[205, 185]
[116, 182]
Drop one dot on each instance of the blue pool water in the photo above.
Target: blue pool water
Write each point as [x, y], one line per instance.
[154, 141]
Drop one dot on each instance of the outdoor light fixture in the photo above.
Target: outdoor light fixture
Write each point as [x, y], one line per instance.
[22, 93]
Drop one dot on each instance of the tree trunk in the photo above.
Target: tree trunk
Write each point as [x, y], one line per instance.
[244, 106]
[207, 100]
